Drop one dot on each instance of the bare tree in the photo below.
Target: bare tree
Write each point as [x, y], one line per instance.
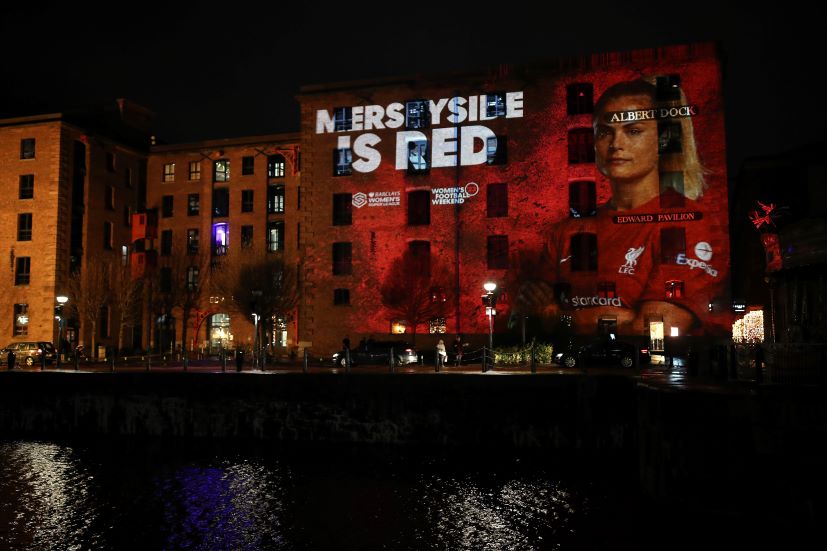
[90, 291]
[126, 297]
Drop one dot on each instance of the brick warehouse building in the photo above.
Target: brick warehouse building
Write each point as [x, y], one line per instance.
[492, 176]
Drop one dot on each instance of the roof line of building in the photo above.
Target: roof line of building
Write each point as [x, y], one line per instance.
[291, 137]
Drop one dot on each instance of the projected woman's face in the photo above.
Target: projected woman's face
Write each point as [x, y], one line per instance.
[626, 151]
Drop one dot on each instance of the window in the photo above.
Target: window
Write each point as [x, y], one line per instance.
[583, 249]
[27, 186]
[495, 104]
[418, 160]
[342, 119]
[437, 325]
[195, 170]
[192, 279]
[275, 199]
[108, 235]
[166, 242]
[669, 137]
[581, 145]
[192, 241]
[127, 216]
[275, 166]
[341, 297]
[419, 208]
[275, 236]
[165, 274]
[668, 88]
[579, 98]
[110, 162]
[220, 202]
[24, 226]
[299, 198]
[342, 258]
[246, 237]
[27, 148]
[127, 177]
[169, 172]
[220, 238]
[221, 171]
[674, 289]
[671, 190]
[342, 209]
[21, 320]
[193, 204]
[246, 200]
[496, 150]
[417, 114]
[248, 165]
[166, 206]
[342, 159]
[22, 270]
[672, 244]
[109, 197]
[582, 199]
[421, 253]
[606, 289]
[497, 200]
[497, 252]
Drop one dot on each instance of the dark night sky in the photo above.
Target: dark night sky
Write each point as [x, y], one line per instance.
[234, 70]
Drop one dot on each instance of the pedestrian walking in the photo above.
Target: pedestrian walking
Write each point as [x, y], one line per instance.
[441, 353]
[11, 358]
[456, 348]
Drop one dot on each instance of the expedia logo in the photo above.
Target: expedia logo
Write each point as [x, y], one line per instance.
[695, 263]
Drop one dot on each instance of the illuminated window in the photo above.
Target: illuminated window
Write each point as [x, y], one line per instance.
[26, 186]
[192, 279]
[24, 226]
[668, 88]
[497, 252]
[246, 237]
[606, 289]
[22, 270]
[166, 206]
[21, 320]
[221, 238]
[166, 242]
[193, 204]
[108, 231]
[583, 249]
[27, 148]
[169, 172]
[398, 327]
[342, 119]
[582, 199]
[495, 104]
[275, 166]
[419, 207]
[672, 244]
[669, 137]
[109, 197]
[165, 279]
[246, 200]
[248, 165]
[579, 98]
[496, 150]
[275, 199]
[275, 236]
[674, 332]
[496, 200]
[421, 252]
[437, 325]
[341, 297]
[417, 114]
[342, 160]
[581, 145]
[110, 162]
[221, 171]
[192, 241]
[671, 190]
[220, 202]
[342, 209]
[674, 289]
[342, 258]
[418, 158]
[195, 170]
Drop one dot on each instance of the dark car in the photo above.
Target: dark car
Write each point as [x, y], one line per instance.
[378, 353]
[29, 352]
[604, 351]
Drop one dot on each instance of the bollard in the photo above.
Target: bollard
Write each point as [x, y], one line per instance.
[484, 360]
[77, 360]
[305, 368]
[223, 361]
[112, 363]
[347, 360]
[437, 362]
[390, 361]
[533, 359]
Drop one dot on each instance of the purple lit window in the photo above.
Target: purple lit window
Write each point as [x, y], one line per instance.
[221, 234]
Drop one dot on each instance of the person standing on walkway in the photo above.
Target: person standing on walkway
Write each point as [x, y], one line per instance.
[441, 353]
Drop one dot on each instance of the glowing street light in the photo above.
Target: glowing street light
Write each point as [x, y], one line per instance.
[61, 302]
[490, 301]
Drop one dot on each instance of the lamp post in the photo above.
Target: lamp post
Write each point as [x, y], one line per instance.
[61, 301]
[490, 306]
[255, 307]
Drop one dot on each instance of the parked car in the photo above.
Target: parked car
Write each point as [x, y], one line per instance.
[604, 351]
[378, 353]
[29, 352]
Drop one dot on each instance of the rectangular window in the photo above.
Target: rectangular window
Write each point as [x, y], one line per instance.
[437, 325]
[581, 145]
[246, 200]
[109, 197]
[341, 297]
[582, 199]
[497, 200]
[275, 199]
[342, 119]
[342, 258]
[169, 172]
[246, 237]
[342, 159]
[22, 270]
[606, 289]
[192, 279]
[193, 204]
[24, 226]
[248, 165]
[419, 207]
[668, 88]
[27, 186]
[417, 114]
[671, 190]
[583, 250]
[669, 137]
[299, 198]
[127, 177]
[165, 274]
[275, 166]
[497, 252]
[127, 216]
[495, 104]
[418, 158]
[421, 253]
[110, 162]
[108, 235]
[674, 289]
[579, 98]
[195, 170]
[166, 242]
[27, 148]
[342, 209]
[220, 202]
[275, 236]
[672, 245]
[221, 238]
[166, 206]
[192, 241]
[221, 171]
[21, 320]
[496, 149]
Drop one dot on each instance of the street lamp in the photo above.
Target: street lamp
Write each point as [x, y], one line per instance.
[490, 302]
[61, 302]
[256, 317]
